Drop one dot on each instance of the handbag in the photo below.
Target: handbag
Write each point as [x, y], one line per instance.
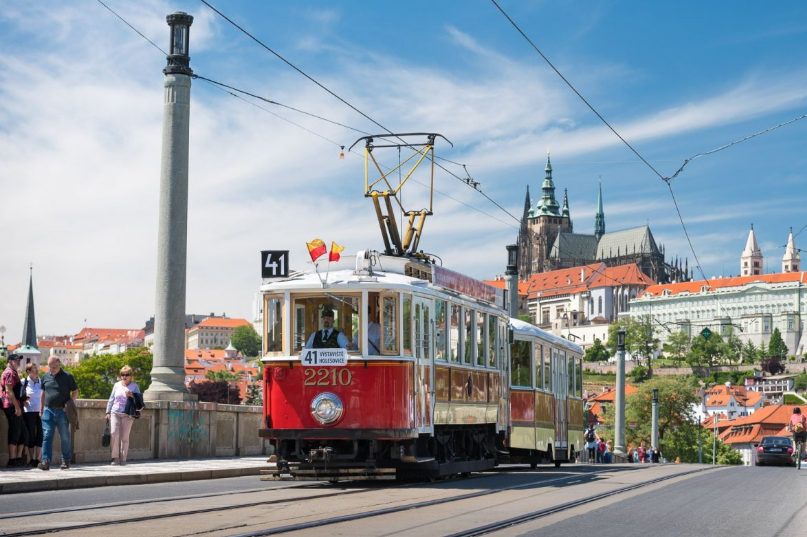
[106, 438]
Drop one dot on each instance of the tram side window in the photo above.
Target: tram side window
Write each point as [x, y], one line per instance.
[569, 375]
[389, 324]
[579, 369]
[309, 311]
[273, 324]
[440, 332]
[407, 324]
[468, 339]
[481, 340]
[547, 368]
[454, 334]
[491, 340]
[520, 366]
[539, 366]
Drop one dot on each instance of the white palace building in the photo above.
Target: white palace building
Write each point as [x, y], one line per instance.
[751, 305]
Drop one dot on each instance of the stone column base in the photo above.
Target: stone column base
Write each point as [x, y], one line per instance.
[149, 395]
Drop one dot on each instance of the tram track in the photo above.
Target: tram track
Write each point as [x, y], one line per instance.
[574, 478]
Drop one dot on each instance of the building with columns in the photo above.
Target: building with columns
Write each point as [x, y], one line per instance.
[547, 241]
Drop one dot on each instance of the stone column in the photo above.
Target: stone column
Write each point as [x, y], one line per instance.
[511, 280]
[168, 372]
[654, 430]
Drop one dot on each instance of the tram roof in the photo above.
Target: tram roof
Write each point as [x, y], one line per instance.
[388, 271]
[532, 330]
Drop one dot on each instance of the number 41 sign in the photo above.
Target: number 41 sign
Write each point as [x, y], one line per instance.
[275, 264]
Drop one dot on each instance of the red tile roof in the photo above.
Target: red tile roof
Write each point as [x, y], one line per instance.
[610, 395]
[217, 322]
[568, 279]
[500, 284]
[717, 283]
[767, 421]
[623, 274]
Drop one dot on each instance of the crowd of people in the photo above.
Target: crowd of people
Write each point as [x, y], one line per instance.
[36, 408]
[599, 450]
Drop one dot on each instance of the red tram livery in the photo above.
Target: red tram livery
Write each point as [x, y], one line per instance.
[389, 364]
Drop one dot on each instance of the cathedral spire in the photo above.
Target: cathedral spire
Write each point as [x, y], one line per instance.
[548, 206]
[28, 346]
[599, 219]
[751, 259]
[565, 211]
[527, 205]
[791, 261]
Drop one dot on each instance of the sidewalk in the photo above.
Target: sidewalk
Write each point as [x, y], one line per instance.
[16, 480]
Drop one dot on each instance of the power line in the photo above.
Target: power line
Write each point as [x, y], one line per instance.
[574, 89]
[132, 27]
[697, 262]
[722, 147]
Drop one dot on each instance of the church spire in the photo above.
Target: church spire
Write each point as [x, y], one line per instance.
[565, 211]
[29, 328]
[599, 219]
[791, 261]
[751, 259]
[548, 206]
[527, 205]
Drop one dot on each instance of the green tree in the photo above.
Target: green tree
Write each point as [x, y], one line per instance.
[254, 395]
[677, 347]
[526, 317]
[676, 402]
[640, 338]
[222, 375]
[247, 341]
[96, 375]
[800, 383]
[597, 352]
[732, 346]
[705, 352]
[639, 374]
[776, 345]
[749, 352]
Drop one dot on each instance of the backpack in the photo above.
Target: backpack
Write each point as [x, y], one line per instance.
[590, 436]
[602, 446]
[798, 427]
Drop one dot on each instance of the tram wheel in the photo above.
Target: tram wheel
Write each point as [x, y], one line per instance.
[557, 464]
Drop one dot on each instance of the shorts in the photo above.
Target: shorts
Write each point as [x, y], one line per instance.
[17, 433]
[800, 437]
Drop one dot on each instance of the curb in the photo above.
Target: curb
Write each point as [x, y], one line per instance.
[126, 479]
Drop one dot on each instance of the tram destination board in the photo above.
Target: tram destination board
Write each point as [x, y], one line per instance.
[274, 264]
[324, 357]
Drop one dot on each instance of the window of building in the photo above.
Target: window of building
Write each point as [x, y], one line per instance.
[599, 305]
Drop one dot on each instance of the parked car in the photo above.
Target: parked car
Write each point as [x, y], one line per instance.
[776, 450]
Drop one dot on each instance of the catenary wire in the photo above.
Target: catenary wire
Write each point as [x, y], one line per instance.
[574, 89]
[132, 27]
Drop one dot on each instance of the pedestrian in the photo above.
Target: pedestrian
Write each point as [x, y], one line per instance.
[33, 422]
[57, 387]
[641, 451]
[122, 399]
[600, 450]
[656, 457]
[591, 444]
[609, 454]
[12, 399]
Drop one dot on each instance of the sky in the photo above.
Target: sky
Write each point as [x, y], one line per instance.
[81, 103]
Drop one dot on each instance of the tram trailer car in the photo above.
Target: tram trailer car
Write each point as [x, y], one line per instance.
[423, 388]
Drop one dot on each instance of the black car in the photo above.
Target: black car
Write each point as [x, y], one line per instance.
[776, 450]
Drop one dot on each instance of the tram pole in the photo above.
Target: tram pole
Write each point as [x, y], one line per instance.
[654, 433]
[511, 280]
[619, 404]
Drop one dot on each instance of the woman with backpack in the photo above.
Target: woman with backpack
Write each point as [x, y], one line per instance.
[798, 426]
[591, 444]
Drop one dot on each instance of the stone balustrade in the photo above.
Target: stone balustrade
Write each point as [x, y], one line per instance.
[165, 430]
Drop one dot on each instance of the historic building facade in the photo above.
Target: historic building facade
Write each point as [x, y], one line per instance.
[547, 241]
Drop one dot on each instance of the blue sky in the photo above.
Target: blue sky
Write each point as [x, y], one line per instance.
[81, 112]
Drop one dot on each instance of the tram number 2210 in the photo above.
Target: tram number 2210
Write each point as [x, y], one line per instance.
[327, 377]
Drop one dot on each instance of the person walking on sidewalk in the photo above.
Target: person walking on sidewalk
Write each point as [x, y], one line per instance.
[121, 421]
[57, 386]
[11, 399]
[33, 422]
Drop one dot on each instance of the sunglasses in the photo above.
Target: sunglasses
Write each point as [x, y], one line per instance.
[126, 375]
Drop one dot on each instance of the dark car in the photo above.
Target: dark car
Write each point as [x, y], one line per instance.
[776, 450]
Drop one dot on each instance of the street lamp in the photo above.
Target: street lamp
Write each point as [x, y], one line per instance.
[654, 434]
[619, 414]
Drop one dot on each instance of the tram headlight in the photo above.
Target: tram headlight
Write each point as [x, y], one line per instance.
[326, 408]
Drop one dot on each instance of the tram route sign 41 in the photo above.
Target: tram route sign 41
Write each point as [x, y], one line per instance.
[274, 263]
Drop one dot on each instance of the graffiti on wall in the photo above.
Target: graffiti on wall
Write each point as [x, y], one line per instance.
[186, 426]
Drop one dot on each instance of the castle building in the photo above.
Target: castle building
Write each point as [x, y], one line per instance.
[547, 241]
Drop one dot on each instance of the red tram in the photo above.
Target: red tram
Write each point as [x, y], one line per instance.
[419, 372]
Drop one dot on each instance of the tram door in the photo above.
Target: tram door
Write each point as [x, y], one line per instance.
[560, 385]
[423, 370]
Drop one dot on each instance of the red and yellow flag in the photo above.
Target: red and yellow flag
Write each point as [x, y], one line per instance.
[335, 249]
[316, 248]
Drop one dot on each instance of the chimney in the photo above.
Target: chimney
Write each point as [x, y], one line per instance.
[583, 274]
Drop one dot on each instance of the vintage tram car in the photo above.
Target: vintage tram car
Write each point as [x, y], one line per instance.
[434, 379]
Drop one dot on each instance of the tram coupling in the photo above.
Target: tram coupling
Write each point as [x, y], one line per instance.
[320, 454]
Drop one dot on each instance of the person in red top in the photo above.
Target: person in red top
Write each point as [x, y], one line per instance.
[641, 450]
[798, 426]
[12, 407]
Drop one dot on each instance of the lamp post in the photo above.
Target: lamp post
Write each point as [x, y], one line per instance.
[619, 411]
[511, 279]
[654, 434]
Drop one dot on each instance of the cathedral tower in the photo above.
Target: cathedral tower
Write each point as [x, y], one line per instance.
[599, 219]
[751, 260]
[547, 221]
[791, 261]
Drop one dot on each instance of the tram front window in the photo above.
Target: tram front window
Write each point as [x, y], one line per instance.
[323, 321]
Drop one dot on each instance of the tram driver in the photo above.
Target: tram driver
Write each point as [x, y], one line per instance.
[328, 337]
